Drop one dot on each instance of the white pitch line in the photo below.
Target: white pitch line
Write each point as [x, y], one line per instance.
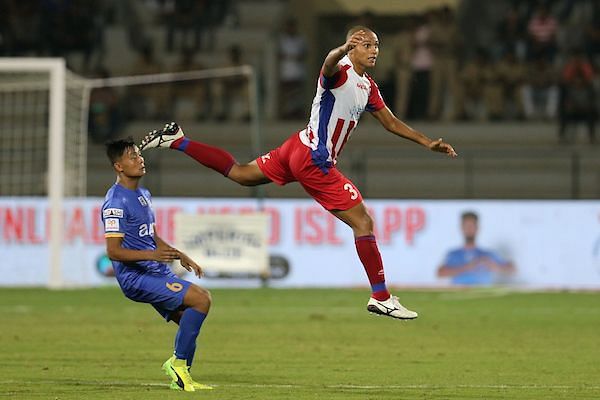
[299, 386]
[475, 295]
[383, 387]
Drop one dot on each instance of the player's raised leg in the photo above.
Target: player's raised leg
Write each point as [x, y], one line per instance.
[197, 302]
[172, 136]
[381, 302]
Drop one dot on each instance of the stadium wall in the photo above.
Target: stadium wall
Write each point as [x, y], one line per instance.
[553, 244]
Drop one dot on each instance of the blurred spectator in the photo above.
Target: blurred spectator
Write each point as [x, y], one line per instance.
[230, 95]
[421, 64]
[185, 21]
[474, 77]
[574, 17]
[292, 71]
[542, 28]
[402, 45]
[493, 92]
[470, 264]
[511, 35]
[104, 117]
[540, 91]
[578, 100]
[4, 31]
[511, 75]
[72, 28]
[444, 42]
[366, 18]
[23, 32]
[478, 21]
[150, 100]
[189, 98]
[217, 10]
[592, 36]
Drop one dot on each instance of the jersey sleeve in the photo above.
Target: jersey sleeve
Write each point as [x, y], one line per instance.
[454, 258]
[375, 102]
[335, 81]
[148, 196]
[113, 218]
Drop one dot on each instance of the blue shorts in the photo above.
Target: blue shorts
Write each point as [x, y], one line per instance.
[164, 291]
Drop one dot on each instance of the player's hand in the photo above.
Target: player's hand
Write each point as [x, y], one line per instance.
[190, 265]
[491, 264]
[166, 254]
[354, 40]
[442, 147]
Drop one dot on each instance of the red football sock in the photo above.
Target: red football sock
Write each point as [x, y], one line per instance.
[209, 156]
[366, 246]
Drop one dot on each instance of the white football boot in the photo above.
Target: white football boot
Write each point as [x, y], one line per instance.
[162, 138]
[390, 308]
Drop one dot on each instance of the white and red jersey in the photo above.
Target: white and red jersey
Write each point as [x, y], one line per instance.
[336, 109]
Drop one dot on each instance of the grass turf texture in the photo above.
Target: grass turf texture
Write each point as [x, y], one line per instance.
[305, 344]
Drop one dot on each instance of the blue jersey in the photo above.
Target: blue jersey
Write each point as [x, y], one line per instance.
[128, 214]
[480, 275]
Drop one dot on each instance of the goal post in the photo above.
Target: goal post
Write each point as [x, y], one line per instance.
[44, 110]
[56, 166]
[253, 96]
[56, 87]
[213, 73]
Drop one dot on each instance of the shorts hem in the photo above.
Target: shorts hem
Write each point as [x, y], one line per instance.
[266, 173]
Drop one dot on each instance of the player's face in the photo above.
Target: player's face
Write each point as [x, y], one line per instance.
[366, 52]
[132, 163]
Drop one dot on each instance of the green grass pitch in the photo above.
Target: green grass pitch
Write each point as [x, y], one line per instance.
[305, 344]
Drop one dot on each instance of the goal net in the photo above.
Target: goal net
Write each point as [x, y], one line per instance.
[44, 111]
[42, 106]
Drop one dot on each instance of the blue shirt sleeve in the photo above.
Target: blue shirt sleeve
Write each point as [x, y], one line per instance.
[113, 217]
[455, 258]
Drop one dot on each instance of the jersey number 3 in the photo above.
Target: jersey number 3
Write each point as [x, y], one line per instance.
[352, 190]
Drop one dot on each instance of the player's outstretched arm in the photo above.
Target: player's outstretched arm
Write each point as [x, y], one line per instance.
[330, 65]
[117, 252]
[397, 127]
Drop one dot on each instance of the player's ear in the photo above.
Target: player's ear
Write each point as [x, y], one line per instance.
[117, 166]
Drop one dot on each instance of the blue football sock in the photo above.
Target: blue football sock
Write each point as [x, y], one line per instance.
[177, 338]
[190, 357]
[189, 328]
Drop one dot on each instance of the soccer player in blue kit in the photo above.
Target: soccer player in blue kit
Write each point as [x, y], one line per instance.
[139, 258]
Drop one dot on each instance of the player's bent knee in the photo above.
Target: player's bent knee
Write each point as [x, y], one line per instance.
[363, 225]
[198, 298]
[368, 223]
[207, 296]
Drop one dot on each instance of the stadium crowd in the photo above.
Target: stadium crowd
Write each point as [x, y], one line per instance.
[501, 60]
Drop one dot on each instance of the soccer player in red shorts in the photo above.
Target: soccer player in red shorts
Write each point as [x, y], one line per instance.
[344, 92]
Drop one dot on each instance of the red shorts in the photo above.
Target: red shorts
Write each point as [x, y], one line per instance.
[292, 162]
